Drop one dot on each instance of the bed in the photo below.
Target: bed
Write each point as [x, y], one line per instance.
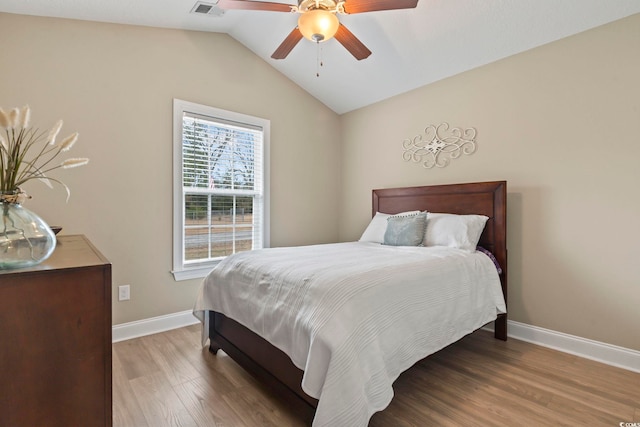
[288, 373]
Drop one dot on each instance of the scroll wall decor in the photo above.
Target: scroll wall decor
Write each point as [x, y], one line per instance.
[439, 145]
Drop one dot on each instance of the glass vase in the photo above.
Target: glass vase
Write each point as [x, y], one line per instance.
[25, 239]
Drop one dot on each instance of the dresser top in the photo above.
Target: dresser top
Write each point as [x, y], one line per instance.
[71, 251]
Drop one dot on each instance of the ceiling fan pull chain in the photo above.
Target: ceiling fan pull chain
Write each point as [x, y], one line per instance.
[319, 59]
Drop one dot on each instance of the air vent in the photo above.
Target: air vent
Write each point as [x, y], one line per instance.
[202, 8]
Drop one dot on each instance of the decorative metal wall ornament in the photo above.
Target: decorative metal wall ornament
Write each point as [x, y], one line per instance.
[439, 145]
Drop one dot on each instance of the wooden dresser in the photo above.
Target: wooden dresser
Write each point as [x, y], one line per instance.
[55, 339]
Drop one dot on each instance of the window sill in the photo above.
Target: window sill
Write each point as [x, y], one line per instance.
[193, 272]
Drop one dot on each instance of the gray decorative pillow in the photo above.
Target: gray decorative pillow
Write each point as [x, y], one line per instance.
[405, 230]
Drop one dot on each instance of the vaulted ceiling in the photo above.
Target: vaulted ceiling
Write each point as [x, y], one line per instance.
[411, 47]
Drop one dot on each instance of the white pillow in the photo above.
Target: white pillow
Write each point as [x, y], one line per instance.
[378, 226]
[455, 231]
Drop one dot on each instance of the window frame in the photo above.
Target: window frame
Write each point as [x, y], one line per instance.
[181, 269]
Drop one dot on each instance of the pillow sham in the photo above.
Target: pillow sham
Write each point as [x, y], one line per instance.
[405, 230]
[455, 231]
[378, 226]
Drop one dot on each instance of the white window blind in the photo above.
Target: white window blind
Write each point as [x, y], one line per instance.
[222, 185]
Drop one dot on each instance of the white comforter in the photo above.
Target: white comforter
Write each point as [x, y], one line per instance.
[355, 315]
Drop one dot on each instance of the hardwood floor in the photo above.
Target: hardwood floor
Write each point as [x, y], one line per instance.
[168, 379]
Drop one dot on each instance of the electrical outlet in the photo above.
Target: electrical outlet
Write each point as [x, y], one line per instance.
[124, 293]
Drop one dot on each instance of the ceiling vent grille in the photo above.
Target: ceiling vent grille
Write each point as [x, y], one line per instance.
[203, 8]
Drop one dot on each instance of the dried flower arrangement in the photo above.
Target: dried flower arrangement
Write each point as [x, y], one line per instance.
[26, 154]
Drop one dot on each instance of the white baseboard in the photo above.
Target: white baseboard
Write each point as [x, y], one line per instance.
[594, 350]
[601, 352]
[154, 325]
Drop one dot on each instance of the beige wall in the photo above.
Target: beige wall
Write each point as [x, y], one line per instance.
[114, 84]
[561, 124]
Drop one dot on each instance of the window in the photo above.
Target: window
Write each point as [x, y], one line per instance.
[220, 186]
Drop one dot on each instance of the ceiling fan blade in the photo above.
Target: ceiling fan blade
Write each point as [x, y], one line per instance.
[288, 44]
[360, 6]
[351, 43]
[253, 5]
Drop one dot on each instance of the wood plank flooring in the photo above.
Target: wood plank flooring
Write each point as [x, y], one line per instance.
[168, 379]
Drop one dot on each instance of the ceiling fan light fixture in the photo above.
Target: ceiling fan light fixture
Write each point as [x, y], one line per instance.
[318, 25]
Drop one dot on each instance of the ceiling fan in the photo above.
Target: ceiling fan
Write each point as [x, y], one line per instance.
[318, 20]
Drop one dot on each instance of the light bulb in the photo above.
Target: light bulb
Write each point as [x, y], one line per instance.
[318, 25]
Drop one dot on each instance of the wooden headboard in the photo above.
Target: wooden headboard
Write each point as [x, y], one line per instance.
[483, 198]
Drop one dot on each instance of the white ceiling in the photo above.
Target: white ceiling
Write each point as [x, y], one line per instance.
[411, 48]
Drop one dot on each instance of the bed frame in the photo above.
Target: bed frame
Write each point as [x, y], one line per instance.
[275, 368]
